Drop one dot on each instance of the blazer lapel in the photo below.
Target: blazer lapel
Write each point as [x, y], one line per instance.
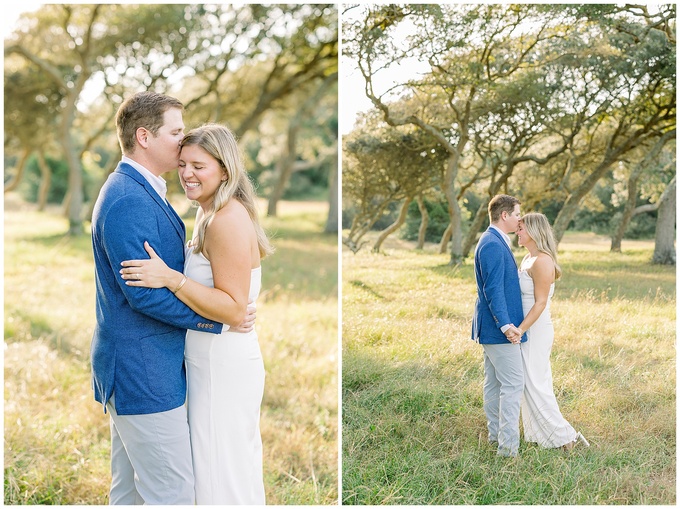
[176, 221]
[500, 237]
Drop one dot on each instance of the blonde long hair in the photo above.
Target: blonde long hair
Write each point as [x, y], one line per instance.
[218, 141]
[539, 229]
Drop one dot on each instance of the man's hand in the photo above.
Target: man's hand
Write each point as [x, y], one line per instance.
[248, 323]
[514, 335]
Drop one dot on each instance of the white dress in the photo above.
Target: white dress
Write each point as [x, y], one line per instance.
[225, 380]
[541, 416]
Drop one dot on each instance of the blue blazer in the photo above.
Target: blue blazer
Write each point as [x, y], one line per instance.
[138, 343]
[499, 298]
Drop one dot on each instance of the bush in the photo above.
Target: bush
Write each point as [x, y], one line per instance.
[59, 185]
[439, 220]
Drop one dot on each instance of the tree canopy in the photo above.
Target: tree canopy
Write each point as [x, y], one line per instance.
[69, 67]
[538, 101]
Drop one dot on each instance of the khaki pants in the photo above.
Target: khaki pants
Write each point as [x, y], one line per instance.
[151, 458]
[503, 387]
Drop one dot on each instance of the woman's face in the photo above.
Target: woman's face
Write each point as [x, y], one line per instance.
[522, 236]
[200, 174]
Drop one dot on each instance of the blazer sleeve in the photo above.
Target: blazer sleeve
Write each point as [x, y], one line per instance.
[493, 282]
[129, 223]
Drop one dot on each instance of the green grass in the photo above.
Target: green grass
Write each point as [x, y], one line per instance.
[414, 430]
[57, 437]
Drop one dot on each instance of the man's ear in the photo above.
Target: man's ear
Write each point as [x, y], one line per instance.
[142, 134]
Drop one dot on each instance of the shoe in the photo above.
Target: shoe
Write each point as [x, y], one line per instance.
[579, 439]
[507, 453]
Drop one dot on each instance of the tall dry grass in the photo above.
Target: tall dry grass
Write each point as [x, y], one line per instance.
[414, 430]
[56, 435]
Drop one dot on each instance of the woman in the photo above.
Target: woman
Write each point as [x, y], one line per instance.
[543, 422]
[225, 373]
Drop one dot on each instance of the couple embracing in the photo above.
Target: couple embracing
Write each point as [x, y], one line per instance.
[512, 323]
[172, 319]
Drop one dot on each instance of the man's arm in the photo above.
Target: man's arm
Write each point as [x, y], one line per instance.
[493, 276]
[128, 225]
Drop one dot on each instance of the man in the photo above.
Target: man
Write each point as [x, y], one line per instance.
[498, 312]
[137, 351]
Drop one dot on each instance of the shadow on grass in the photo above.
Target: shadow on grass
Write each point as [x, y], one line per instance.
[33, 327]
[463, 271]
[360, 284]
[63, 244]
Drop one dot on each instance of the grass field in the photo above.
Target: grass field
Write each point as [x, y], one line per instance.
[414, 430]
[56, 435]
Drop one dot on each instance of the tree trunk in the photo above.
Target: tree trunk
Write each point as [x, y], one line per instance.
[66, 203]
[333, 205]
[14, 183]
[45, 181]
[286, 167]
[75, 169]
[360, 226]
[73, 85]
[664, 245]
[95, 193]
[394, 226]
[612, 155]
[629, 210]
[446, 236]
[477, 222]
[451, 194]
[424, 221]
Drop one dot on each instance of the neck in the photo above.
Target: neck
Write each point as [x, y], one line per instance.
[501, 227]
[533, 249]
[140, 159]
[206, 207]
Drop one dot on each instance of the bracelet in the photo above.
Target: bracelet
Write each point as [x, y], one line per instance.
[179, 286]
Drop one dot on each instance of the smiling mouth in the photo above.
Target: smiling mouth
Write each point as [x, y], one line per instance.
[191, 185]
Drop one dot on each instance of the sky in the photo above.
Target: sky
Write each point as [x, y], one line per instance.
[353, 98]
[11, 12]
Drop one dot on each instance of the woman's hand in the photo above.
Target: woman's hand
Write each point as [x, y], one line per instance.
[151, 273]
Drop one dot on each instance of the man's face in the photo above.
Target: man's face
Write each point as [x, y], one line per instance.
[512, 220]
[164, 147]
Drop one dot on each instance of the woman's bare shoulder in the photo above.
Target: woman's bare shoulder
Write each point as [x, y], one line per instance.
[543, 266]
[232, 215]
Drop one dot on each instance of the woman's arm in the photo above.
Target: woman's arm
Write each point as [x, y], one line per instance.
[543, 274]
[228, 247]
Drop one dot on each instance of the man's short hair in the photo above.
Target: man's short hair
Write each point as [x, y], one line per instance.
[501, 203]
[144, 109]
